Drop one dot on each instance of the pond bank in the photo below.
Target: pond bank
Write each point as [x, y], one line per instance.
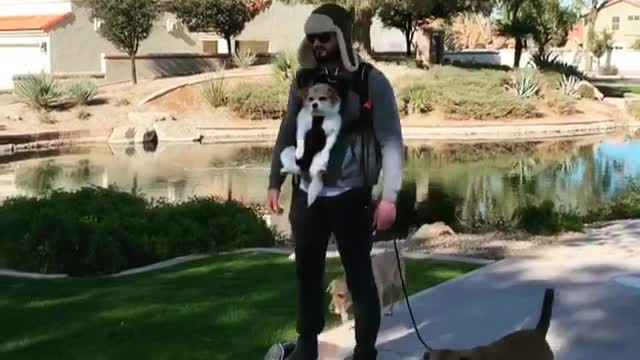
[16, 141]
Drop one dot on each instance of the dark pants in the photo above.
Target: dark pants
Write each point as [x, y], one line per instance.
[349, 216]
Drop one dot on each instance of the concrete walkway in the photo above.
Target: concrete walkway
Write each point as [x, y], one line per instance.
[595, 316]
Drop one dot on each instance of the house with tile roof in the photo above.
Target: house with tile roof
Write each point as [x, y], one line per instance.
[622, 19]
[58, 36]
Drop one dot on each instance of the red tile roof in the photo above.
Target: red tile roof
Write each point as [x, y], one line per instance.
[32, 22]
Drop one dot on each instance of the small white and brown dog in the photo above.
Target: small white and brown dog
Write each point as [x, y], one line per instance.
[387, 277]
[341, 301]
[318, 125]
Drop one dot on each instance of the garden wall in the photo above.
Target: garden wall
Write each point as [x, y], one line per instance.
[152, 66]
[625, 60]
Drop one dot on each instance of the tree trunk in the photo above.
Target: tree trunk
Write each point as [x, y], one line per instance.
[591, 31]
[134, 75]
[518, 52]
[228, 39]
[407, 38]
[362, 31]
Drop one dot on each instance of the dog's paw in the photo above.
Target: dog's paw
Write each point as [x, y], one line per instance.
[316, 169]
[299, 153]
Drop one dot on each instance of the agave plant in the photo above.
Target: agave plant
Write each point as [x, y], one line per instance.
[285, 65]
[82, 91]
[39, 91]
[526, 84]
[244, 58]
[569, 85]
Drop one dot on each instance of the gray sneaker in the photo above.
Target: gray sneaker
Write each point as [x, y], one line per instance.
[280, 351]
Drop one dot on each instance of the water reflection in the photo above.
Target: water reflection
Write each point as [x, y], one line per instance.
[463, 184]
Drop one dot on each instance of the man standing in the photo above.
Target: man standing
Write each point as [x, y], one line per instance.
[344, 207]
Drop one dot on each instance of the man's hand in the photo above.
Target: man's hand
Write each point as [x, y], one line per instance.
[273, 201]
[385, 215]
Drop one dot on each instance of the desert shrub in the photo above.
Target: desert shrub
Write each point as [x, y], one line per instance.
[545, 219]
[214, 92]
[82, 91]
[457, 77]
[633, 108]
[416, 99]
[39, 91]
[101, 231]
[465, 94]
[83, 113]
[526, 83]
[284, 66]
[259, 101]
[625, 205]
[561, 103]
[244, 58]
[568, 85]
[476, 103]
[549, 62]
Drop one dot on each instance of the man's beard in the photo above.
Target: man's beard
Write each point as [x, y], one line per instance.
[322, 55]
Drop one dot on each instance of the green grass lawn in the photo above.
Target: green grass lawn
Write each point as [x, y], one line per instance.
[618, 90]
[227, 307]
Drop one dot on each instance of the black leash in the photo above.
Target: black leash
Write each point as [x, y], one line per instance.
[406, 298]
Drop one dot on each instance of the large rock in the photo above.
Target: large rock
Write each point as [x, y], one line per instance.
[132, 135]
[7, 149]
[176, 132]
[432, 231]
[589, 91]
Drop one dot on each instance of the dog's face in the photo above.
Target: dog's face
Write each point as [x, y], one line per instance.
[454, 355]
[321, 99]
[340, 297]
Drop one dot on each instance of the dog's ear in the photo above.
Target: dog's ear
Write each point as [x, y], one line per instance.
[334, 97]
[303, 92]
[330, 287]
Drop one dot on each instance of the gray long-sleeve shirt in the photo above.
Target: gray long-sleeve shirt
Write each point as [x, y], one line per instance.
[386, 127]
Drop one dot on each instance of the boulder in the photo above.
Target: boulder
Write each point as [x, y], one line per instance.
[132, 135]
[7, 149]
[589, 91]
[176, 132]
[433, 231]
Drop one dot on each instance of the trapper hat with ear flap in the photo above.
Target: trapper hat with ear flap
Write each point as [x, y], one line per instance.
[329, 18]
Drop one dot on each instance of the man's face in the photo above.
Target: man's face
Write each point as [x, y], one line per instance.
[325, 46]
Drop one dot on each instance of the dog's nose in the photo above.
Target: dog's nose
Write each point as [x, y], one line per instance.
[314, 105]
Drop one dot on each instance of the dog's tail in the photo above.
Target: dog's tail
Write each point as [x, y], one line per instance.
[545, 315]
[314, 190]
[288, 160]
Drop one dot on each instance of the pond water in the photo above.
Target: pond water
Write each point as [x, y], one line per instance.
[448, 181]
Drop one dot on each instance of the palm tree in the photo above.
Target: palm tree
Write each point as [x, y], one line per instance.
[515, 24]
[594, 9]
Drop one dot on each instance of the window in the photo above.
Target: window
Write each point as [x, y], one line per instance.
[615, 23]
[210, 47]
[634, 17]
[256, 46]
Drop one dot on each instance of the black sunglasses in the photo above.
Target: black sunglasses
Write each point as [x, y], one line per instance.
[322, 37]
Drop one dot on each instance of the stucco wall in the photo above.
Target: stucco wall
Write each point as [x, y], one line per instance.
[283, 26]
[629, 30]
[76, 47]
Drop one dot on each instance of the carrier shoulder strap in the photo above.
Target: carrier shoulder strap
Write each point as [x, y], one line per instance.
[362, 88]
